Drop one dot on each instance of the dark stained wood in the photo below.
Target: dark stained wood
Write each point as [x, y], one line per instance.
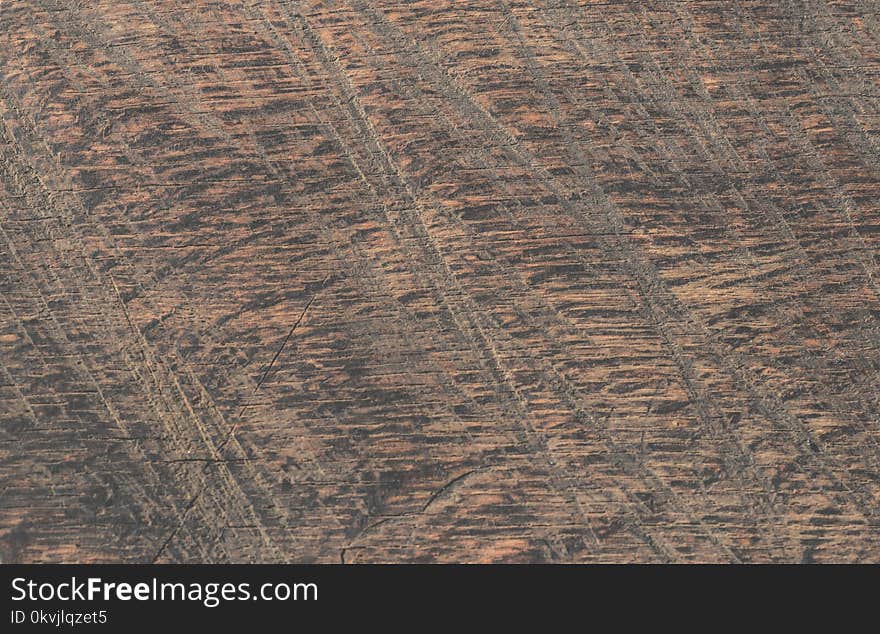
[446, 280]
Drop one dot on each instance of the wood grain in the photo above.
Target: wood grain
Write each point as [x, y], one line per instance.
[439, 281]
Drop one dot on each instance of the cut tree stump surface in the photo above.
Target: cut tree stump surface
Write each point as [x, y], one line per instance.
[439, 281]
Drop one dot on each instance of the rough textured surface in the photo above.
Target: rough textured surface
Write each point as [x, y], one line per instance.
[441, 280]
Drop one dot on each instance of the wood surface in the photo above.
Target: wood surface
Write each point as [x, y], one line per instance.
[439, 281]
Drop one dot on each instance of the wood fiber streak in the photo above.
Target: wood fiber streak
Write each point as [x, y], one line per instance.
[439, 281]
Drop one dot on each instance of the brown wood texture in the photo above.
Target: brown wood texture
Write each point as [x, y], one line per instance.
[439, 281]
